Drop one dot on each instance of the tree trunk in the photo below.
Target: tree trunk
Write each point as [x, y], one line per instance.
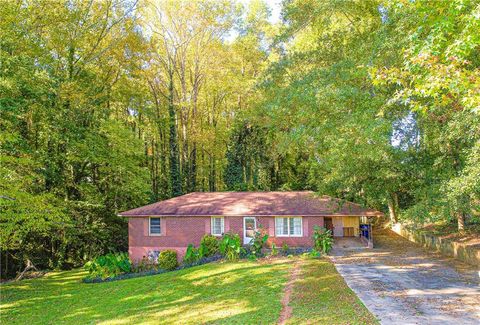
[175, 177]
[212, 175]
[192, 172]
[461, 222]
[392, 208]
[28, 267]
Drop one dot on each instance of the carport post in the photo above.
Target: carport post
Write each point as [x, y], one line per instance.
[370, 236]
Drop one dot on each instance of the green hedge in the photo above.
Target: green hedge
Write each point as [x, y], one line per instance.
[167, 260]
[209, 246]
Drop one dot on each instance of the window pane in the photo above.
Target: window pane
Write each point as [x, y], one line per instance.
[155, 227]
[249, 227]
[281, 226]
[278, 226]
[291, 226]
[297, 226]
[217, 226]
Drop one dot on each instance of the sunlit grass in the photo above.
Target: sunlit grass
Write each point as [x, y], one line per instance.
[243, 292]
[321, 296]
[240, 293]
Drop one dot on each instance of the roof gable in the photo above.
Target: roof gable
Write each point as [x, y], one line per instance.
[301, 203]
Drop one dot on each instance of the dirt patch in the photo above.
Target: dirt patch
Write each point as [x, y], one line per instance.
[286, 311]
[471, 236]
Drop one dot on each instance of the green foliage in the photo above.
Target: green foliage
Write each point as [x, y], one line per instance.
[144, 265]
[322, 240]
[314, 253]
[109, 265]
[208, 246]
[68, 162]
[258, 243]
[285, 249]
[230, 246]
[246, 159]
[274, 250]
[167, 260]
[386, 111]
[192, 254]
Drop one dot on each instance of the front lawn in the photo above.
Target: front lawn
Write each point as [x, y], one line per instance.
[242, 293]
[321, 296]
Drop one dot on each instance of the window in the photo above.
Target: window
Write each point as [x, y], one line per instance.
[288, 227]
[155, 228]
[217, 226]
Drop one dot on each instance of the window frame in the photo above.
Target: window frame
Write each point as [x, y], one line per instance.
[150, 226]
[280, 219]
[222, 226]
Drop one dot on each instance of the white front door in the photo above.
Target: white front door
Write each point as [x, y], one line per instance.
[249, 227]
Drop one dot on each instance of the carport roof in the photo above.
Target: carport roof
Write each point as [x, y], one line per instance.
[300, 203]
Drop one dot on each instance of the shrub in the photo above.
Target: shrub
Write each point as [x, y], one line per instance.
[285, 249]
[230, 246]
[145, 265]
[208, 246]
[109, 265]
[167, 260]
[313, 253]
[192, 255]
[322, 239]
[274, 251]
[257, 243]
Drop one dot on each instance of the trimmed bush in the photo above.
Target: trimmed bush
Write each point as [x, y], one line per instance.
[108, 266]
[208, 246]
[167, 260]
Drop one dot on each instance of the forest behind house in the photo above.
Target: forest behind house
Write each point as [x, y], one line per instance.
[109, 105]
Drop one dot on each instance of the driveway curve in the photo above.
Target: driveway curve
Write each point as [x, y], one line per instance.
[402, 283]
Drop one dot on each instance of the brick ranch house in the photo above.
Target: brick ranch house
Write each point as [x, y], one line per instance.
[287, 217]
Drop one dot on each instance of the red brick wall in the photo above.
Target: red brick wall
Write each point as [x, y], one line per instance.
[178, 232]
[268, 223]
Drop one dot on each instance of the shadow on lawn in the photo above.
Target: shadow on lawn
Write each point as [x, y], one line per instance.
[221, 292]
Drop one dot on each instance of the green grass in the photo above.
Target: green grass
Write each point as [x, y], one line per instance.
[234, 293]
[242, 292]
[321, 296]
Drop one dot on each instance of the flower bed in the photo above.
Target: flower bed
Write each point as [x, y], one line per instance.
[113, 267]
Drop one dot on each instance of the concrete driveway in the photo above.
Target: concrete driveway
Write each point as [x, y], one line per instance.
[401, 283]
